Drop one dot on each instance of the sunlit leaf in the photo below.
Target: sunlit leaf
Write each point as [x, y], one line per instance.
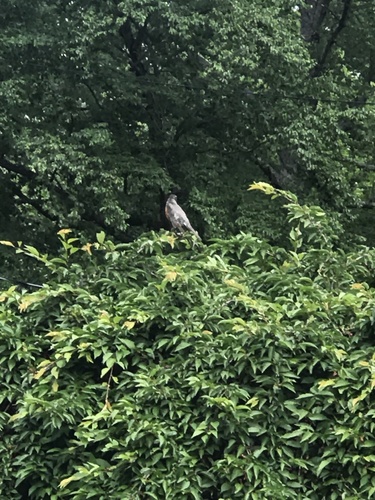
[326, 383]
[62, 232]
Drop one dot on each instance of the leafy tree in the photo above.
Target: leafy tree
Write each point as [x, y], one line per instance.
[107, 106]
[165, 368]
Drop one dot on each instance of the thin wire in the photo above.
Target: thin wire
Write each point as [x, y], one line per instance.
[267, 96]
[264, 94]
[20, 283]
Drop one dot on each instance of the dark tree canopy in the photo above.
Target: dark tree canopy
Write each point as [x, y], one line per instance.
[108, 106]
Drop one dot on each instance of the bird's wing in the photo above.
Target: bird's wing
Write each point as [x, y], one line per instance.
[181, 217]
[178, 218]
[183, 220]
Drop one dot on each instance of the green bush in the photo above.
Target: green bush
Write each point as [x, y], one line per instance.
[166, 368]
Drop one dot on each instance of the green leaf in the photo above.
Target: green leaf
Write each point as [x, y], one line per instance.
[323, 464]
[100, 237]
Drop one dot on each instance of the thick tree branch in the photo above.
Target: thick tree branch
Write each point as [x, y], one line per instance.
[25, 200]
[366, 205]
[88, 217]
[133, 44]
[312, 17]
[318, 69]
[371, 67]
[269, 173]
[22, 199]
[16, 168]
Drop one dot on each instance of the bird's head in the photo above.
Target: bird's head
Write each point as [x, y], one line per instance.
[172, 197]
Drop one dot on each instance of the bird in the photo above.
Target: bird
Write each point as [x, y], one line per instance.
[177, 217]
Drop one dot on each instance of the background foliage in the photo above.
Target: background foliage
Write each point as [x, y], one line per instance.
[165, 368]
[107, 106]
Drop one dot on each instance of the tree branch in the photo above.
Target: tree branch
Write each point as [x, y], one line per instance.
[312, 17]
[93, 94]
[16, 168]
[269, 173]
[38, 207]
[366, 205]
[133, 44]
[318, 69]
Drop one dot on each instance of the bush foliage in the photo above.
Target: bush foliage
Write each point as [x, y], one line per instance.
[166, 368]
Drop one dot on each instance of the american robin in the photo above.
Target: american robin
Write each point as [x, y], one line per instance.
[177, 216]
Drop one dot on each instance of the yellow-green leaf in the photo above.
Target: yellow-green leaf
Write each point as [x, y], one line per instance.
[62, 232]
[326, 383]
[340, 354]
[40, 373]
[262, 186]
[75, 477]
[253, 402]
[87, 248]
[364, 363]
[17, 416]
[357, 286]
[171, 276]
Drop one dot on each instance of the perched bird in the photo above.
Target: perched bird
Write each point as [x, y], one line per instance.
[177, 216]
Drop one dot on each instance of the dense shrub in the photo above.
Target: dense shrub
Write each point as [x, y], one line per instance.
[166, 368]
